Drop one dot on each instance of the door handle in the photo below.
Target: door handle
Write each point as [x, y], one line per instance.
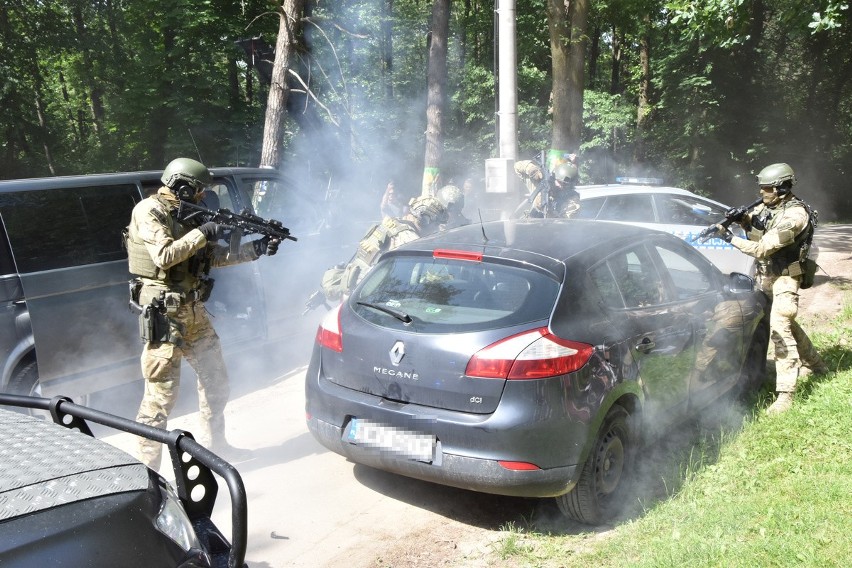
[645, 345]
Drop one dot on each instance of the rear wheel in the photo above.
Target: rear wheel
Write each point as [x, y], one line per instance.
[25, 381]
[601, 491]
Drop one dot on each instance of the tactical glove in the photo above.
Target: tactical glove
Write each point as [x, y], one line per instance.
[212, 231]
[723, 233]
[266, 246]
[736, 214]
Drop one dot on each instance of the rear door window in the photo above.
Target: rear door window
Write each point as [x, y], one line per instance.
[59, 228]
[628, 278]
[447, 295]
[689, 279]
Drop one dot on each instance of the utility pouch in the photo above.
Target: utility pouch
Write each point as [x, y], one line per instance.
[205, 288]
[154, 325]
[170, 302]
[809, 269]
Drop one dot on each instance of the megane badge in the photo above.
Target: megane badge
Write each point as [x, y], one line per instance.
[397, 352]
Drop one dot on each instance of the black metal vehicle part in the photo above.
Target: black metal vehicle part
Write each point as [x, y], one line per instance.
[194, 467]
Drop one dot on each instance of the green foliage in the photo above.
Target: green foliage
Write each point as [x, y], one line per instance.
[830, 18]
[609, 130]
[99, 86]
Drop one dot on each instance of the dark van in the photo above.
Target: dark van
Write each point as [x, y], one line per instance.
[65, 325]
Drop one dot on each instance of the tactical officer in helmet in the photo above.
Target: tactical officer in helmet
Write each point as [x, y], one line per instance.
[425, 216]
[562, 199]
[453, 199]
[171, 260]
[779, 235]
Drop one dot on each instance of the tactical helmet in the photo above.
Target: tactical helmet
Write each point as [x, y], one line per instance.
[193, 173]
[428, 210]
[452, 197]
[565, 172]
[775, 175]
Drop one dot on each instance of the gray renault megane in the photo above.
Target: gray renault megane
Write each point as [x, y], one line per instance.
[531, 357]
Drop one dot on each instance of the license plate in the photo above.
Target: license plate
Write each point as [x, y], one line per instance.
[397, 441]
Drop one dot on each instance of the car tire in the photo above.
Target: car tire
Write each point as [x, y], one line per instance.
[25, 381]
[601, 491]
[753, 374]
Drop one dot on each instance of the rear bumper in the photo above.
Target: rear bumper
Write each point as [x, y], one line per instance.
[454, 470]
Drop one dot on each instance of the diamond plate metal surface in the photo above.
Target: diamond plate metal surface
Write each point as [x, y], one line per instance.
[43, 465]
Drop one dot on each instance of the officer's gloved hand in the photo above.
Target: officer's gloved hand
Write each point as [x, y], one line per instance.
[212, 231]
[266, 246]
[736, 214]
[723, 233]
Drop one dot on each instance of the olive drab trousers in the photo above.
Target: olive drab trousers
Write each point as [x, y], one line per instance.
[793, 347]
[161, 364]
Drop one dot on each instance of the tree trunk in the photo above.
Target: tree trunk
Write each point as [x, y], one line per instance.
[387, 47]
[644, 89]
[560, 41]
[44, 131]
[567, 22]
[162, 115]
[578, 14]
[437, 80]
[614, 86]
[594, 55]
[96, 108]
[289, 13]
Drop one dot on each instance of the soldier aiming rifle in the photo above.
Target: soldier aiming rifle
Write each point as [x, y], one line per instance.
[732, 215]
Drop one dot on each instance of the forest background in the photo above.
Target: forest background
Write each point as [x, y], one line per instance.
[700, 93]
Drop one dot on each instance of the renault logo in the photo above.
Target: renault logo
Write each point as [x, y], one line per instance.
[397, 352]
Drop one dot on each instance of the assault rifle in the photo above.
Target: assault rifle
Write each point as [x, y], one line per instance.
[732, 215]
[240, 223]
[316, 300]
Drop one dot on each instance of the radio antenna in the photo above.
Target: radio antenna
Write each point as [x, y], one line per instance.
[482, 226]
[197, 151]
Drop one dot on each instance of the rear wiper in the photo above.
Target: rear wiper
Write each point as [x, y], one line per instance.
[401, 316]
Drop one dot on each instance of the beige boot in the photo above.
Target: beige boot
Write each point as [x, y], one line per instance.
[782, 403]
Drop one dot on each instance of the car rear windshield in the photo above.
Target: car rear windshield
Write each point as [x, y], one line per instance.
[440, 295]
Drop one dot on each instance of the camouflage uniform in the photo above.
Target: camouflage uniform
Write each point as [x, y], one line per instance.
[391, 233]
[171, 260]
[778, 274]
[565, 202]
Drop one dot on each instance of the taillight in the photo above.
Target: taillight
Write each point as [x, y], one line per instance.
[328, 332]
[534, 354]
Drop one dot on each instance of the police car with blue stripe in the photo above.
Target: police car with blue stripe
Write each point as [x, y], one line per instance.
[646, 202]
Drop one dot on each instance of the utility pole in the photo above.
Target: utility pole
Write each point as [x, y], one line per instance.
[499, 172]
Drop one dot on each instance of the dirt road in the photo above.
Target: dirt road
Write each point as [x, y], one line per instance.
[311, 508]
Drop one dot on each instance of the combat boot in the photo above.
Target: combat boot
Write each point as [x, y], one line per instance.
[820, 369]
[782, 403]
[223, 449]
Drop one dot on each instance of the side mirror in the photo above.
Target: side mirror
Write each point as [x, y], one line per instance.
[739, 283]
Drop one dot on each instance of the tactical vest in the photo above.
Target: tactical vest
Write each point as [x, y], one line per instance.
[378, 239]
[788, 260]
[140, 262]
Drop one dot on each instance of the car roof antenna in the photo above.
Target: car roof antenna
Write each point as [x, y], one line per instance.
[482, 225]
